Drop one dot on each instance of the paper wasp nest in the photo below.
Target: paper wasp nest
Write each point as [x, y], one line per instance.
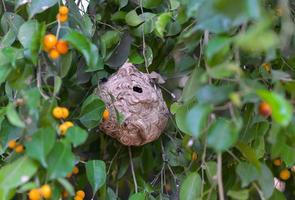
[136, 96]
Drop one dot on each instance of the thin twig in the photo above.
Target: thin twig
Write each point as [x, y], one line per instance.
[132, 170]
[39, 82]
[259, 191]
[4, 6]
[143, 41]
[219, 177]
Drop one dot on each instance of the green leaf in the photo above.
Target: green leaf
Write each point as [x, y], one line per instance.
[238, 194]
[17, 173]
[91, 111]
[137, 196]
[222, 135]
[162, 22]
[277, 195]
[247, 173]
[67, 185]
[193, 84]
[132, 19]
[191, 187]
[96, 174]
[60, 161]
[214, 94]
[265, 180]
[217, 48]
[88, 49]
[193, 119]
[281, 109]
[249, 154]
[76, 135]
[13, 116]
[38, 6]
[151, 3]
[41, 144]
[30, 36]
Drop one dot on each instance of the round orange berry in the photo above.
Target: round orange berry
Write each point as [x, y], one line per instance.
[19, 148]
[285, 174]
[34, 194]
[264, 109]
[75, 170]
[61, 18]
[277, 162]
[49, 41]
[65, 112]
[45, 191]
[54, 54]
[78, 198]
[57, 112]
[106, 114]
[12, 144]
[63, 10]
[62, 47]
[80, 193]
[65, 194]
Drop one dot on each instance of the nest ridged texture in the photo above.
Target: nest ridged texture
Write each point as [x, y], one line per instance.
[136, 96]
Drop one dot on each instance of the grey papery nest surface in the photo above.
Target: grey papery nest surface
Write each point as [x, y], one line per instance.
[136, 96]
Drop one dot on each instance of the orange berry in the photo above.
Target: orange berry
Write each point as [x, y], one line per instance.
[49, 41]
[34, 194]
[63, 10]
[285, 174]
[264, 109]
[194, 156]
[267, 67]
[106, 114]
[69, 175]
[54, 54]
[19, 148]
[57, 112]
[78, 198]
[277, 162]
[61, 18]
[65, 112]
[80, 193]
[12, 144]
[45, 191]
[75, 170]
[65, 194]
[62, 47]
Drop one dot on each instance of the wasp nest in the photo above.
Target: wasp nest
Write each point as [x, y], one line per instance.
[137, 98]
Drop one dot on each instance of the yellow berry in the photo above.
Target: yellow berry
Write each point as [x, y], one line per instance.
[65, 126]
[106, 114]
[61, 18]
[78, 198]
[75, 170]
[45, 191]
[194, 156]
[54, 54]
[57, 112]
[277, 162]
[63, 10]
[12, 144]
[19, 148]
[65, 112]
[285, 174]
[80, 193]
[34, 194]
[49, 41]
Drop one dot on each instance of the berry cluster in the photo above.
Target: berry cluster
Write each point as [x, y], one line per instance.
[54, 47]
[62, 113]
[62, 15]
[18, 148]
[38, 193]
[80, 195]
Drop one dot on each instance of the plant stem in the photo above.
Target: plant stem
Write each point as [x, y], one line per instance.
[219, 177]
[132, 170]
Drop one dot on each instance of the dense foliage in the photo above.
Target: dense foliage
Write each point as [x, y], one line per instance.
[228, 67]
